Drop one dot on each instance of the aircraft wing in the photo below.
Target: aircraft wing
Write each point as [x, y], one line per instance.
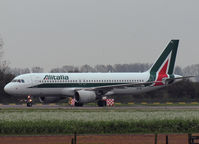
[185, 77]
[170, 80]
[144, 84]
[110, 87]
[181, 78]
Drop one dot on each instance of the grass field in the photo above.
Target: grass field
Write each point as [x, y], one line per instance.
[100, 121]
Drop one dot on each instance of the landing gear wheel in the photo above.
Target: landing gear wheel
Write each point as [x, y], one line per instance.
[77, 104]
[29, 104]
[101, 103]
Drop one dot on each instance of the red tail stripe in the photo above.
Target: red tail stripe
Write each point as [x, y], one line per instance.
[162, 74]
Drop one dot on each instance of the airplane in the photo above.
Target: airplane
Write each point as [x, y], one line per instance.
[90, 87]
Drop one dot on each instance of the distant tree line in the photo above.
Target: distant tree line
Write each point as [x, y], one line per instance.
[184, 91]
[4, 77]
[192, 70]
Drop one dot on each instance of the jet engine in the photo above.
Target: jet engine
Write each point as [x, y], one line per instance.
[83, 96]
[49, 99]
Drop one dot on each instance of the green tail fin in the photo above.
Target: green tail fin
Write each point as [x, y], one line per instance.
[166, 62]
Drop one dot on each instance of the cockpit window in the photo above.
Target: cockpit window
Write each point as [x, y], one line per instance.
[18, 80]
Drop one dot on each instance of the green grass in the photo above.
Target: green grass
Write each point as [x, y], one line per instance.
[99, 121]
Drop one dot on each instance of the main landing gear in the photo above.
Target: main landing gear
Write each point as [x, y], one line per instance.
[77, 104]
[102, 102]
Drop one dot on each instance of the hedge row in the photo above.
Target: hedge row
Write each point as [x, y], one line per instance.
[97, 127]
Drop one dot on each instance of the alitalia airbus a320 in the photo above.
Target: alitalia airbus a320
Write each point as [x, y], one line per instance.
[90, 87]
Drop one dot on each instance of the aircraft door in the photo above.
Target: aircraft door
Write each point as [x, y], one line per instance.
[34, 81]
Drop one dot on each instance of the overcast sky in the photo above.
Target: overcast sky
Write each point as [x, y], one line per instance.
[53, 33]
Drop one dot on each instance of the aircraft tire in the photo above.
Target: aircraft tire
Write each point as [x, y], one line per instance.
[77, 104]
[101, 103]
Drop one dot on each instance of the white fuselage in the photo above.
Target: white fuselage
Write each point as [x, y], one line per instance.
[39, 84]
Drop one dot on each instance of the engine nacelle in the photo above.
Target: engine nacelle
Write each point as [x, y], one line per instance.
[83, 96]
[49, 99]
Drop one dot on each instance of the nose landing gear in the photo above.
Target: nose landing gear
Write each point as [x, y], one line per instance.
[29, 101]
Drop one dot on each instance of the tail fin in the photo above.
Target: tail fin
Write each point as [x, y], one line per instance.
[164, 66]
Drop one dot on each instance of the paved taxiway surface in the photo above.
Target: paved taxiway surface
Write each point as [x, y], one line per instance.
[94, 107]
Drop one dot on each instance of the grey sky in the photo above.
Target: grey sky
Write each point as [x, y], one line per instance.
[53, 33]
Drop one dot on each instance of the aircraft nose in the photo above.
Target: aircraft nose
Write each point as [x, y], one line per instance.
[8, 89]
